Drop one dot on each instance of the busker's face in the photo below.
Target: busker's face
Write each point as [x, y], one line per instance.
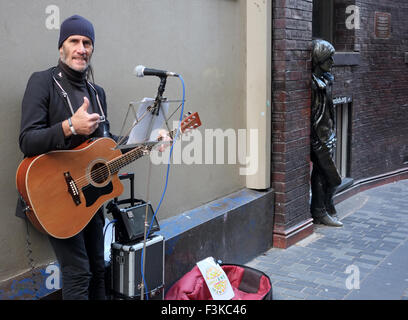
[76, 52]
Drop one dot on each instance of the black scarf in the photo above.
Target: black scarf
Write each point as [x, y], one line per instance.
[78, 88]
[76, 78]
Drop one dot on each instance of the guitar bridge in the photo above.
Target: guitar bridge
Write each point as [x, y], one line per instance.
[72, 188]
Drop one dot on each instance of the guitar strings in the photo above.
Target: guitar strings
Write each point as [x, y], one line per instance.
[101, 172]
[84, 180]
[104, 170]
[113, 165]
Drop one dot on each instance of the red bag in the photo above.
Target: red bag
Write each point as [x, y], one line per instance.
[247, 283]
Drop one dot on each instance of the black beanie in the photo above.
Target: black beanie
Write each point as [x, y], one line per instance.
[76, 25]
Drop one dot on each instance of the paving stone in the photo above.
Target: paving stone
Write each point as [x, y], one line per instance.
[305, 283]
[277, 278]
[311, 291]
[373, 256]
[289, 285]
[365, 261]
[333, 292]
[316, 298]
[295, 294]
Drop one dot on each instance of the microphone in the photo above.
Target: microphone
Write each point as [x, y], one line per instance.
[141, 71]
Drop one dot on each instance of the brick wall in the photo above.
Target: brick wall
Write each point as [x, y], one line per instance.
[291, 69]
[379, 87]
[344, 39]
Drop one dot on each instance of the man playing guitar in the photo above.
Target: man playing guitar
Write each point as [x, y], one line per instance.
[60, 110]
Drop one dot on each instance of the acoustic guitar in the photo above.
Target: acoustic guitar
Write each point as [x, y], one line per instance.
[64, 189]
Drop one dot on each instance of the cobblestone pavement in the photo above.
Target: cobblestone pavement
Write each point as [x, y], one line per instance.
[365, 259]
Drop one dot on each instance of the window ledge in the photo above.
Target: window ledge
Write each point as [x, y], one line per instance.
[346, 59]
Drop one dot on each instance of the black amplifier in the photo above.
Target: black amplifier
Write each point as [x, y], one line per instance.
[130, 216]
[130, 221]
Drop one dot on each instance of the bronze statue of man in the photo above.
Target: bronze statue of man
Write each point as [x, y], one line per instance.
[325, 177]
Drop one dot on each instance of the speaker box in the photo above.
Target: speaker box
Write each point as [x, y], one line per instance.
[130, 221]
[126, 270]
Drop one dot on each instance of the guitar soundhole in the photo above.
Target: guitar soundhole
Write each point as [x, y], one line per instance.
[99, 173]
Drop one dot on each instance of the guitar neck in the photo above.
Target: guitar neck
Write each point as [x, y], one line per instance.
[122, 161]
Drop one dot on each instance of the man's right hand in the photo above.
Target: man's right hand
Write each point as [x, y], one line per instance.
[83, 122]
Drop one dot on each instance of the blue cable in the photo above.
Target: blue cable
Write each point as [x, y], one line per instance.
[167, 178]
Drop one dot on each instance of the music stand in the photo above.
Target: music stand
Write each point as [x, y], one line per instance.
[149, 119]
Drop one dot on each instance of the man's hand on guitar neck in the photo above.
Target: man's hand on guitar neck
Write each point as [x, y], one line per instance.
[163, 136]
[83, 123]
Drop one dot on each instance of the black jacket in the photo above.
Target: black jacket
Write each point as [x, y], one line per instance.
[44, 108]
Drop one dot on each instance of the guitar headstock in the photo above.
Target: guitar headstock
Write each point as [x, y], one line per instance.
[190, 122]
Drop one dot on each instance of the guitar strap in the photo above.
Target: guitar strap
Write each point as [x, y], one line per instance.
[57, 72]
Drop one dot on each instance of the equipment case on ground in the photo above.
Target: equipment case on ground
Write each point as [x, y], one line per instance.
[126, 269]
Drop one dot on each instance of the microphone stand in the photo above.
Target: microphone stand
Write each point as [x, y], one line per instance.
[155, 110]
[159, 96]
